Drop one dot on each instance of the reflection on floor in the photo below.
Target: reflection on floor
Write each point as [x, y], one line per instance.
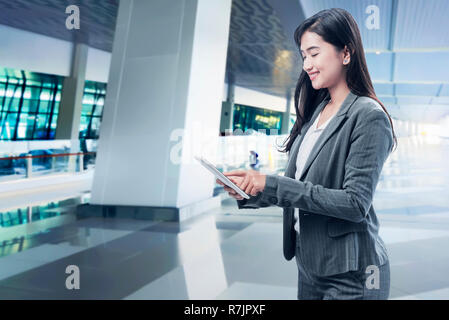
[230, 253]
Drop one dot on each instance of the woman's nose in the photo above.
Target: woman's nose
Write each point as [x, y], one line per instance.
[307, 67]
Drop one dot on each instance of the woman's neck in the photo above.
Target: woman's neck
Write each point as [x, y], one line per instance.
[338, 94]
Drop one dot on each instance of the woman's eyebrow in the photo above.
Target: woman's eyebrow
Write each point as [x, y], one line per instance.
[310, 48]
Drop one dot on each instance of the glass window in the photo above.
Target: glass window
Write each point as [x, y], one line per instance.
[54, 122]
[246, 117]
[8, 126]
[41, 121]
[56, 108]
[26, 104]
[95, 126]
[30, 101]
[91, 113]
[292, 122]
[25, 128]
[84, 122]
[14, 105]
[99, 107]
[29, 106]
[86, 110]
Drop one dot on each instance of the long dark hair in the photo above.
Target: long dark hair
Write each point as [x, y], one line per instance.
[337, 27]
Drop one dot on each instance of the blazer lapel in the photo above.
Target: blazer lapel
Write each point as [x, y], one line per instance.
[291, 163]
[333, 125]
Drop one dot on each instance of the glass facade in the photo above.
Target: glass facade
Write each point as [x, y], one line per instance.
[24, 215]
[292, 122]
[91, 113]
[29, 106]
[246, 117]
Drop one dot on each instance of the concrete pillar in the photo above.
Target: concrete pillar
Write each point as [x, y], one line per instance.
[72, 96]
[163, 99]
[69, 116]
[227, 111]
[286, 115]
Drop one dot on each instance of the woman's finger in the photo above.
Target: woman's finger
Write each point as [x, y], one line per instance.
[231, 191]
[237, 182]
[237, 196]
[235, 173]
[245, 183]
[253, 191]
[249, 187]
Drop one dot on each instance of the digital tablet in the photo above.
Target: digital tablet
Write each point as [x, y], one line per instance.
[209, 166]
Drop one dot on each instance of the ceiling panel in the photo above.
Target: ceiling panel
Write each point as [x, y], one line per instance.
[422, 24]
[373, 39]
[413, 100]
[408, 57]
[379, 65]
[384, 88]
[417, 89]
[422, 66]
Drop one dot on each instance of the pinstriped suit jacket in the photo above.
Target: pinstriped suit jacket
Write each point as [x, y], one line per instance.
[338, 224]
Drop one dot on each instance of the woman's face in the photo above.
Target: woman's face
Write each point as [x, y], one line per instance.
[321, 61]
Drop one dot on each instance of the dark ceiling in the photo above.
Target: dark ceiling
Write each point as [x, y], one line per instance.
[48, 17]
[407, 56]
[261, 52]
[260, 56]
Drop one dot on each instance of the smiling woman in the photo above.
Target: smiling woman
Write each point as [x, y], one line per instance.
[322, 61]
[331, 47]
[336, 150]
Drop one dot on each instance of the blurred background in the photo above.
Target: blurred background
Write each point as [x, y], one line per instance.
[104, 103]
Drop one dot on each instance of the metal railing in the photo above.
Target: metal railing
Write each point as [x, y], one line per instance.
[29, 165]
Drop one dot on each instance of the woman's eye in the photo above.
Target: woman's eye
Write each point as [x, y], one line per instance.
[313, 55]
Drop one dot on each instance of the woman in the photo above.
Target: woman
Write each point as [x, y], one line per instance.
[336, 151]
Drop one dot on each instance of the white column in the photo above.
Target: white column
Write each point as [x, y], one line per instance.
[285, 128]
[166, 77]
[69, 116]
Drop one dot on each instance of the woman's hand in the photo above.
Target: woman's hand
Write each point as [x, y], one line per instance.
[251, 181]
[232, 193]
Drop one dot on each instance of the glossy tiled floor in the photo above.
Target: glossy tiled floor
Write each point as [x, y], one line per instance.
[230, 253]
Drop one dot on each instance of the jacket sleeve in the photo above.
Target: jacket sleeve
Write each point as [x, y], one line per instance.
[371, 142]
[253, 202]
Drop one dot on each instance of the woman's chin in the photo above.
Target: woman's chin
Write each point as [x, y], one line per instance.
[316, 86]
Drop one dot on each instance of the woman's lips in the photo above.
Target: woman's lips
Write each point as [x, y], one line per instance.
[313, 76]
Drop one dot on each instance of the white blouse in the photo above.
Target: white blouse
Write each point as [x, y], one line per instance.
[305, 148]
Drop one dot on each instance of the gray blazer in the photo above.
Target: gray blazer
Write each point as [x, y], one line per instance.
[338, 224]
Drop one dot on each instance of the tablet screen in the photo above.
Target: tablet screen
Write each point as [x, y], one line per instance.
[221, 177]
